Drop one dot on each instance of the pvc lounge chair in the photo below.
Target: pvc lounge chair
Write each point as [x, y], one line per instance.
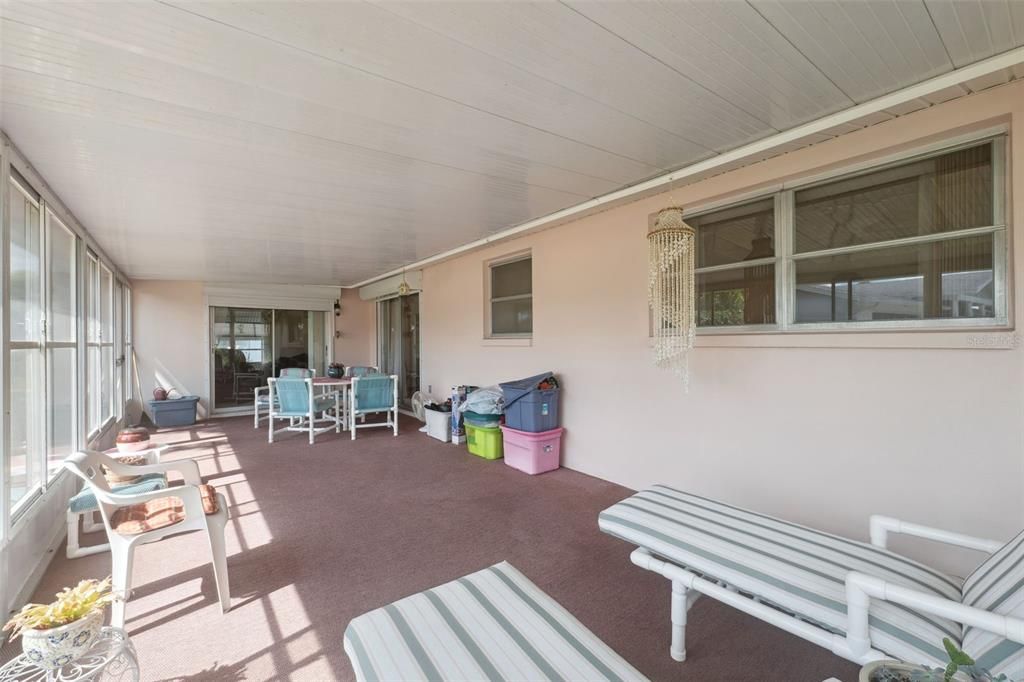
[859, 600]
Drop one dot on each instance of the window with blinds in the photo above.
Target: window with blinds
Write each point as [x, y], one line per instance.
[915, 243]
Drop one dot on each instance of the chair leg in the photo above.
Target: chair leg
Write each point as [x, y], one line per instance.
[312, 432]
[218, 549]
[394, 422]
[122, 557]
[256, 415]
[678, 649]
[73, 549]
[337, 414]
[89, 523]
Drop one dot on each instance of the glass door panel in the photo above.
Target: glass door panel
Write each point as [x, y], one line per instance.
[409, 378]
[291, 340]
[242, 354]
[398, 349]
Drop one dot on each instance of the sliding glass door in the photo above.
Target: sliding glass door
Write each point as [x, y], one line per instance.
[398, 338]
[250, 345]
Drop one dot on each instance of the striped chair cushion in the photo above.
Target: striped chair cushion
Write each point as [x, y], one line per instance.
[491, 625]
[798, 569]
[998, 585]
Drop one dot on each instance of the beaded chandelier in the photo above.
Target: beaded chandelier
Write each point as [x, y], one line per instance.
[671, 245]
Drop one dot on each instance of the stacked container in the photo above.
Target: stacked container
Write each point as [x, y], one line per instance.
[532, 437]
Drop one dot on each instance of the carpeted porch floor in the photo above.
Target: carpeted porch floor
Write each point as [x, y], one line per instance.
[320, 534]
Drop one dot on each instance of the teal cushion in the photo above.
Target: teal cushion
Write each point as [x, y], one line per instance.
[85, 500]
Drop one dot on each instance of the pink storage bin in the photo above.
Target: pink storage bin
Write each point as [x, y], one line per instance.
[533, 453]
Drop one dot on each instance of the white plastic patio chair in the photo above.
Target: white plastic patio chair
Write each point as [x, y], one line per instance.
[372, 394]
[262, 393]
[85, 507]
[135, 519]
[295, 400]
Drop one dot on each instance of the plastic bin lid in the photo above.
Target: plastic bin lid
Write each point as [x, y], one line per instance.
[526, 385]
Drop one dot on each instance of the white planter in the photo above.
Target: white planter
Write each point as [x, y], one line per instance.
[56, 647]
[897, 666]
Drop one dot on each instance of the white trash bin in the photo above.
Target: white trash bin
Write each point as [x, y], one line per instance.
[439, 425]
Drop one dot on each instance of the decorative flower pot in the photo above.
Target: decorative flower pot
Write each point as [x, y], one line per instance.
[898, 671]
[56, 647]
[132, 439]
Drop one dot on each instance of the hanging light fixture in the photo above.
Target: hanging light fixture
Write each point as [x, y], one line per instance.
[671, 244]
[404, 289]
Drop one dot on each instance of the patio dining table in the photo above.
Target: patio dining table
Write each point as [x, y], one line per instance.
[343, 384]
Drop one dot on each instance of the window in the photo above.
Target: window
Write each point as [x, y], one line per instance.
[919, 242]
[106, 343]
[25, 475]
[61, 342]
[735, 265]
[93, 341]
[510, 292]
[59, 389]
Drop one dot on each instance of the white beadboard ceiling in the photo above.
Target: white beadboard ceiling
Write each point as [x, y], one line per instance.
[329, 142]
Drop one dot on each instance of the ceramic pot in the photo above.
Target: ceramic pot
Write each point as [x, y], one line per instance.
[57, 647]
[132, 440]
[336, 371]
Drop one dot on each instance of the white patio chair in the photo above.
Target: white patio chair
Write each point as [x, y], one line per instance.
[372, 394]
[138, 518]
[295, 400]
[83, 506]
[262, 393]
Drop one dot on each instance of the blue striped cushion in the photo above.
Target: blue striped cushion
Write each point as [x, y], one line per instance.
[491, 625]
[998, 585]
[798, 569]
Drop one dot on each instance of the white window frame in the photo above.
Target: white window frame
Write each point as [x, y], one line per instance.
[17, 512]
[489, 301]
[49, 343]
[784, 259]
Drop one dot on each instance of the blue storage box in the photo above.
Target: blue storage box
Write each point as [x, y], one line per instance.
[174, 411]
[528, 408]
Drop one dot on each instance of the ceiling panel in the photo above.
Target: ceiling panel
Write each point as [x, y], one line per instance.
[724, 48]
[328, 142]
[867, 48]
[975, 29]
[383, 46]
[565, 45]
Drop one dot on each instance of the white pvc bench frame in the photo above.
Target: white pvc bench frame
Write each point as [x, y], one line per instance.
[860, 590]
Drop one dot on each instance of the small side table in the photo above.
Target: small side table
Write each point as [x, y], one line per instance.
[112, 658]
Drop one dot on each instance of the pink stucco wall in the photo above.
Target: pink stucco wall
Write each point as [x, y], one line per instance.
[824, 429]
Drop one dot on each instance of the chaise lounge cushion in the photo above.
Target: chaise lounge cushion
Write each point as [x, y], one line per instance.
[159, 513]
[797, 569]
[491, 625]
[998, 586]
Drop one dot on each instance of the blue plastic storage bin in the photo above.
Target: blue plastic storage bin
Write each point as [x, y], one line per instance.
[174, 411]
[528, 408]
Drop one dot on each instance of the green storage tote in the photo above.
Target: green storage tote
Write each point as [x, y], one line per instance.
[484, 441]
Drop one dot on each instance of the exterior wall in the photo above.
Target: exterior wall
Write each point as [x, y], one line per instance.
[823, 429]
[357, 323]
[170, 335]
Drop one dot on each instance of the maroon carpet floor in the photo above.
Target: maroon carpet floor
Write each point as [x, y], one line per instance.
[320, 534]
